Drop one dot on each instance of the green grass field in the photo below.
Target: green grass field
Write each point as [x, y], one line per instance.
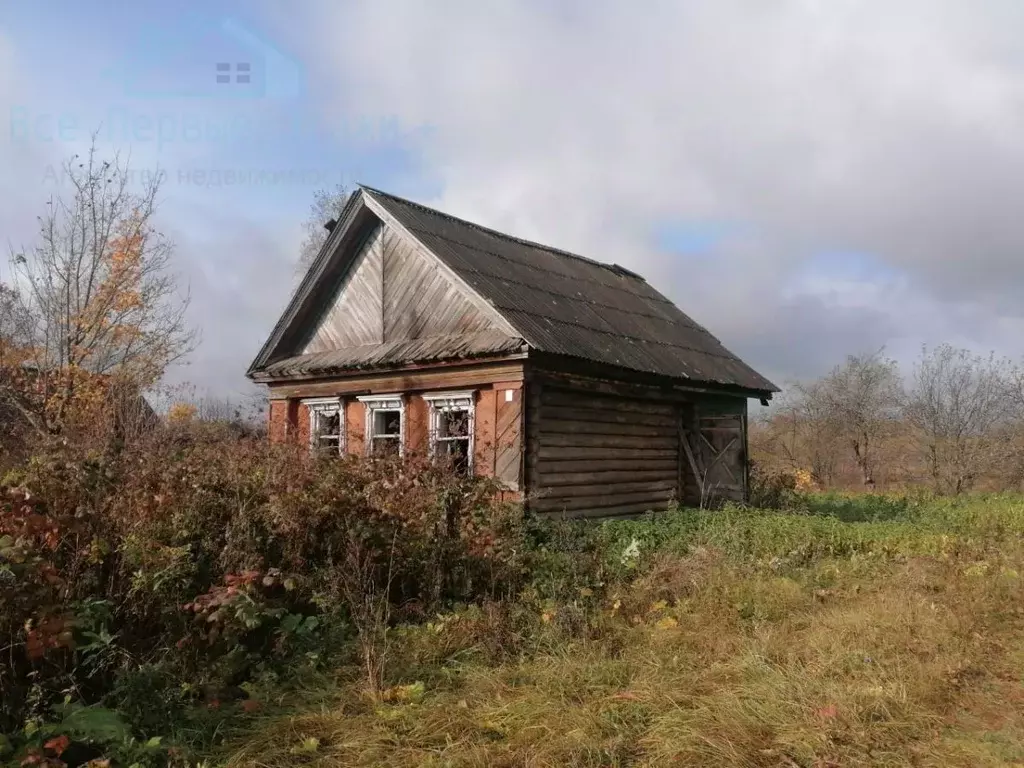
[855, 631]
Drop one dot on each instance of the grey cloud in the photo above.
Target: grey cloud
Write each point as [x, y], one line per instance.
[239, 274]
[819, 126]
[886, 128]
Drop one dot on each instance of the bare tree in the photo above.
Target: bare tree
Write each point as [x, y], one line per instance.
[957, 403]
[327, 204]
[813, 434]
[96, 294]
[798, 436]
[858, 401]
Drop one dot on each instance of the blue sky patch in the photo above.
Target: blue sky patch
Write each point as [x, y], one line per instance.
[692, 238]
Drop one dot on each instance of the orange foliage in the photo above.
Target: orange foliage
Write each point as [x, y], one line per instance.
[181, 413]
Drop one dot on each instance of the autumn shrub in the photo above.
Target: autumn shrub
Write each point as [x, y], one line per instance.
[772, 488]
[184, 566]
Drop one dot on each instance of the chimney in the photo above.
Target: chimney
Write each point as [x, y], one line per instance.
[330, 225]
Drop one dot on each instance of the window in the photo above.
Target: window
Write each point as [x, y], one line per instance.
[326, 424]
[451, 428]
[385, 425]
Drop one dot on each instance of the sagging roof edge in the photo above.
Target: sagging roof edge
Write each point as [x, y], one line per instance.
[681, 385]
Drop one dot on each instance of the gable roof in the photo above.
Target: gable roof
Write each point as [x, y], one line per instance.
[556, 302]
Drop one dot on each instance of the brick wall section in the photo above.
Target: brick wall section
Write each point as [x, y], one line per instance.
[302, 427]
[483, 453]
[355, 427]
[283, 420]
[417, 424]
[497, 437]
[277, 421]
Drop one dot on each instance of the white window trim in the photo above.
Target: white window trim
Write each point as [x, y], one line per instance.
[318, 405]
[439, 402]
[374, 403]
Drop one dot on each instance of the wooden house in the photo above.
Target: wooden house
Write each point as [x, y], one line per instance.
[575, 383]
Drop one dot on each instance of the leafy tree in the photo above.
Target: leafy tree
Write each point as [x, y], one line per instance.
[93, 304]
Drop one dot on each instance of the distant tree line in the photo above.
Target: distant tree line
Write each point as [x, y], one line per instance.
[954, 423]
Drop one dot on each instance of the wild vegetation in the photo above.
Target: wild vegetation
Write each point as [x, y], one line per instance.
[178, 592]
[197, 598]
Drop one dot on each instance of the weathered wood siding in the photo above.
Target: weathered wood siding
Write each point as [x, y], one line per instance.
[498, 438]
[508, 435]
[718, 440]
[599, 455]
[354, 316]
[419, 300]
[393, 292]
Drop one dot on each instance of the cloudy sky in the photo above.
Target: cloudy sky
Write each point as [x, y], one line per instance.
[807, 178]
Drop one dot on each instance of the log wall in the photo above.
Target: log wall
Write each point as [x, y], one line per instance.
[593, 455]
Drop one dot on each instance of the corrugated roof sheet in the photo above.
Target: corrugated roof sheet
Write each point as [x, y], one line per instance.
[569, 305]
[397, 353]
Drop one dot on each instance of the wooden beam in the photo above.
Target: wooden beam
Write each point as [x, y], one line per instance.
[381, 382]
[611, 476]
[605, 416]
[561, 465]
[589, 440]
[629, 402]
[598, 488]
[623, 511]
[574, 427]
[553, 452]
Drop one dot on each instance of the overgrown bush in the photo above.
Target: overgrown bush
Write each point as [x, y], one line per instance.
[772, 489]
[194, 563]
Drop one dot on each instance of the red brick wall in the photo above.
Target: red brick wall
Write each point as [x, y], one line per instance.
[302, 428]
[355, 427]
[282, 419]
[417, 424]
[483, 448]
[497, 427]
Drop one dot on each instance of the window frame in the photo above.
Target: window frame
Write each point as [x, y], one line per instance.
[440, 403]
[374, 404]
[316, 407]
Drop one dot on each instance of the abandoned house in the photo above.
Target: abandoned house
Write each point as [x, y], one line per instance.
[574, 383]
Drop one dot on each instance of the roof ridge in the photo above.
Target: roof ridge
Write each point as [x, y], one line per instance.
[613, 268]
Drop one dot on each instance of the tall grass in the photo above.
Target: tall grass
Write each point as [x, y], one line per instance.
[864, 631]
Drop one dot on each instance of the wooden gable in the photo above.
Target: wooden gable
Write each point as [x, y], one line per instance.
[393, 291]
[354, 315]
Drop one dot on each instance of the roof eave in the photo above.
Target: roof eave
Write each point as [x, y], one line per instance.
[679, 383]
[261, 377]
